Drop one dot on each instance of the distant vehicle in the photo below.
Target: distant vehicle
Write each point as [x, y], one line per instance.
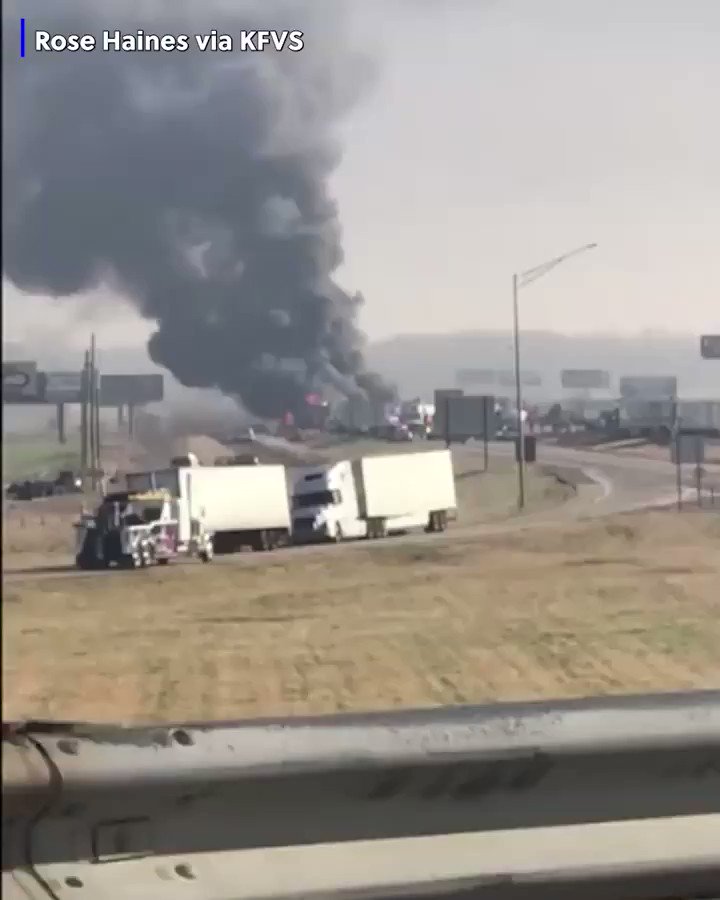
[373, 496]
[242, 460]
[189, 459]
[66, 482]
[30, 490]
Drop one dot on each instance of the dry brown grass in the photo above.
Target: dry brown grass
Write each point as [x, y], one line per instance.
[625, 605]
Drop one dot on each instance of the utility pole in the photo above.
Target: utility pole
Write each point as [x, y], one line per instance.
[518, 399]
[91, 414]
[96, 405]
[84, 418]
[520, 281]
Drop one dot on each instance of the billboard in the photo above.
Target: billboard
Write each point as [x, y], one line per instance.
[710, 346]
[131, 390]
[584, 379]
[470, 417]
[640, 387]
[503, 377]
[20, 382]
[475, 376]
[63, 387]
[527, 379]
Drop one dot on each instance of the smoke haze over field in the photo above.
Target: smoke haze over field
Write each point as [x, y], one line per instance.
[195, 184]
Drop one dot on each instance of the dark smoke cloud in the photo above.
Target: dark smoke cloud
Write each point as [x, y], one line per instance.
[194, 183]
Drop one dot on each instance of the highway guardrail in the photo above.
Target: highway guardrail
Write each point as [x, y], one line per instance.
[504, 800]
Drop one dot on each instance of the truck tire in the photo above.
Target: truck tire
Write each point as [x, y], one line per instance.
[163, 561]
[261, 543]
[437, 522]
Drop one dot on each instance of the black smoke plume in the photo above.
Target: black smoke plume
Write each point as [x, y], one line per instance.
[196, 184]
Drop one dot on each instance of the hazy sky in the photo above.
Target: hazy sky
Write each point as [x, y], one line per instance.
[503, 132]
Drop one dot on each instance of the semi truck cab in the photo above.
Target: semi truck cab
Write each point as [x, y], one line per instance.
[325, 504]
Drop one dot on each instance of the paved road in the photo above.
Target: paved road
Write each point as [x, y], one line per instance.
[619, 484]
[626, 482]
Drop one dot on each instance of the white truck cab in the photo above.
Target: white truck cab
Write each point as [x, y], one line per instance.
[325, 504]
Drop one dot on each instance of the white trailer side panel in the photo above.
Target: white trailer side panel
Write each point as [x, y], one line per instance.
[406, 484]
[238, 498]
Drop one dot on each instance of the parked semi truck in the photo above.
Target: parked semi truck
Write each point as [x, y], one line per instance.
[373, 496]
[242, 505]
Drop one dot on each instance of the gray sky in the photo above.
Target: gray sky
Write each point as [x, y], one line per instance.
[503, 132]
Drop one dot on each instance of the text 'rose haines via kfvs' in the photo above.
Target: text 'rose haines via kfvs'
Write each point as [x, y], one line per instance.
[141, 41]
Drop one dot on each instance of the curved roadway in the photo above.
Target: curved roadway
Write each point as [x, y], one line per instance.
[615, 484]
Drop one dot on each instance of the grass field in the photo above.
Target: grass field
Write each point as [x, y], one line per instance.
[25, 457]
[625, 605]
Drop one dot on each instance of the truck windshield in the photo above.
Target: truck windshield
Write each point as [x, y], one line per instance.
[317, 498]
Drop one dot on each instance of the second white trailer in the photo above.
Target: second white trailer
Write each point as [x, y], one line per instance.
[373, 496]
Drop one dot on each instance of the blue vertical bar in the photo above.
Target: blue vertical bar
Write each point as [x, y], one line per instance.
[22, 38]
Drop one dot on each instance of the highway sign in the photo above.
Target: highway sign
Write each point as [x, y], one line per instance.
[470, 417]
[584, 379]
[20, 382]
[710, 346]
[651, 387]
[63, 387]
[504, 377]
[442, 395]
[475, 376]
[130, 390]
[527, 379]
[688, 449]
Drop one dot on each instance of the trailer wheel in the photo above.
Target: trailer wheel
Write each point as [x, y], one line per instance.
[436, 523]
[261, 542]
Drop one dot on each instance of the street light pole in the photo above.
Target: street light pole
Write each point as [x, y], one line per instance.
[519, 281]
[518, 398]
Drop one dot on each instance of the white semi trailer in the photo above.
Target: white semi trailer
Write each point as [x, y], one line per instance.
[242, 506]
[373, 496]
